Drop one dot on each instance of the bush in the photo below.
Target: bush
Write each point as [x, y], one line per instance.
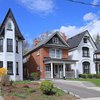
[46, 87]
[34, 76]
[97, 75]
[84, 75]
[90, 75]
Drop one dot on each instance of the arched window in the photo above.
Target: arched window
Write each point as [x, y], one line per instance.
[86, 67]
[9, 25]
[85, 51]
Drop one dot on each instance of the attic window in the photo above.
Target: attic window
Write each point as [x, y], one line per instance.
[55, 40]
[85, 40]
[9, 27]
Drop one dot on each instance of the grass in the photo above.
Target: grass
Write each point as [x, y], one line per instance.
[92, 80]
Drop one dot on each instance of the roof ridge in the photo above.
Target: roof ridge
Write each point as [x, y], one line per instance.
[77, 34]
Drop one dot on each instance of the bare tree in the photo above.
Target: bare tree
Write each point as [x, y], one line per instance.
[97, 39]
[26, 47]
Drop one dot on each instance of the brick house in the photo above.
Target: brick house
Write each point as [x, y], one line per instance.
[49, 58]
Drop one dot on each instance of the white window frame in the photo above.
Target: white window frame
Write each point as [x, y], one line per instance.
[55, 40]
[55, 53]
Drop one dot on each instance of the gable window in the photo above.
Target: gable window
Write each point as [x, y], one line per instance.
[55, 40]
[9, 45]
[55, 53]
[86, 67]
[85, 51]
[85, 40]
[17, 68]
[10, 67]
[1, 64]
[16, 46]
[1, 45]
[9, 26]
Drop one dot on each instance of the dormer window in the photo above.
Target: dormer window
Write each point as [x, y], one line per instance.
[55, 40]
[9, 27]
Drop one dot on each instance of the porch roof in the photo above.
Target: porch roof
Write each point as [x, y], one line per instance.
[55, 60]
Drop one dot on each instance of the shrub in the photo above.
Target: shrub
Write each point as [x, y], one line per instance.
[97, 75]
[34, 76]
[80, 75]
[90, 75]
[84, 75]
[46, 87]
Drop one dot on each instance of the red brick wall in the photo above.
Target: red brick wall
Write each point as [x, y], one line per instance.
[36, 59]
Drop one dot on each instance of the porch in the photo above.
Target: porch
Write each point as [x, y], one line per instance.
[59, 68]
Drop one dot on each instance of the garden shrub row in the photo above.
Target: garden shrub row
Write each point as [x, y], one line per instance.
[89, 75]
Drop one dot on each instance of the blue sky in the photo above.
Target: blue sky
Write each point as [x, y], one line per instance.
[38, 16]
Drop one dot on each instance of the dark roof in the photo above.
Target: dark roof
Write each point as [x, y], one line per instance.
[98, 49]
[75, 40]
[43, 42]
[17, 31]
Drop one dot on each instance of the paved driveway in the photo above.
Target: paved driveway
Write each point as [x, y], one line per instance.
[82, 89]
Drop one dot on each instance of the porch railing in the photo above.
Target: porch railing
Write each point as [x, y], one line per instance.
[70, 74]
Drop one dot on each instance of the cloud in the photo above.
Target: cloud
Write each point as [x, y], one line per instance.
[89, 16]
[95, 2]
[93, 27]
[38, 6]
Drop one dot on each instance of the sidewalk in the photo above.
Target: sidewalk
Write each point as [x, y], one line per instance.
[1, 98]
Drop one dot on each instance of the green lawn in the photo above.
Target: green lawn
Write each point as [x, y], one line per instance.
[93, 80]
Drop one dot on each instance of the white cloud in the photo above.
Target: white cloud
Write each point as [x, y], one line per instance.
[95, 2]
[93, 27]
[89, 16]
[40, 6]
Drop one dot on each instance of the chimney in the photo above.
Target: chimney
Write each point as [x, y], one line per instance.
[64, 36]
[36, 41]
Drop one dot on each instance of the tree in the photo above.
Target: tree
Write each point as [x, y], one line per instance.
[26, 47]
[97, 39]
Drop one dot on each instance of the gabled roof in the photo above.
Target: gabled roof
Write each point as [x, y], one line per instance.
[2, 27]
[74, 41]
[43, 42]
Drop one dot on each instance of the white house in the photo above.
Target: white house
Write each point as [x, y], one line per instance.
[11, 47]
[82, 48]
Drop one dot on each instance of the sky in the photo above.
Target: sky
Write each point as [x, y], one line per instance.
[35, 17]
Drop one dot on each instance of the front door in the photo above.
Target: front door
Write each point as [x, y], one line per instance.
[58, 71]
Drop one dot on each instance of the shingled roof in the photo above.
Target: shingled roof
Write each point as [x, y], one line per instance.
[2, 26]
[74, 41]
[44, 41]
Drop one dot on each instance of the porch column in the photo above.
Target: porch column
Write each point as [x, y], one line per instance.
[51, 70]
[64, 73]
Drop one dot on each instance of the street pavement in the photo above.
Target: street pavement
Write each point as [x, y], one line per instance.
[83, 90]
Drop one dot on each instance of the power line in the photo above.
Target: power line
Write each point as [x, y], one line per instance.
[84, 3]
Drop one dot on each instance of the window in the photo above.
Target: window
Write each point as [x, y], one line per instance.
[85, 51]
[85, 40]
[1, 45]
[55, 53]
[16, 46]
[17, 68]
[9, 26]
[9, 45]
[10, 67]
[1, 64]
[86, 67]
[55, 40]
